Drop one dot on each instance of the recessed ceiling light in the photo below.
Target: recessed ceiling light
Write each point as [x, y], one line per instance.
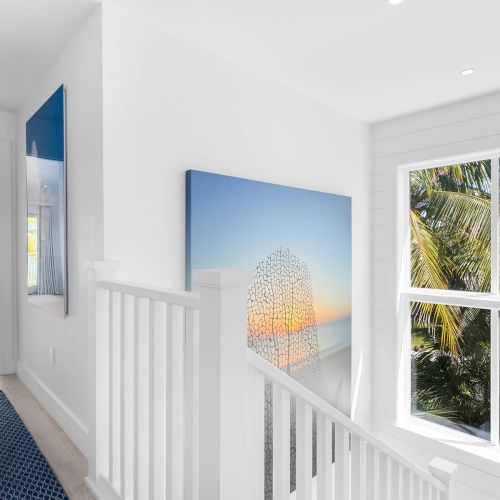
[394, 2]
[467, 72]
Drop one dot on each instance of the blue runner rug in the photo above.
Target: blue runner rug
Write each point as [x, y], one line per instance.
[25, 474]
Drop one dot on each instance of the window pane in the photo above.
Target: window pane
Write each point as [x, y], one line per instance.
[451, 366]
[32, 250]
[450, 219]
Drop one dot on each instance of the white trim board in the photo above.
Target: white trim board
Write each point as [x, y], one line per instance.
[7, 260]
[70, 424]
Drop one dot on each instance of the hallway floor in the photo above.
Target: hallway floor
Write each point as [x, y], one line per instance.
[66, 460]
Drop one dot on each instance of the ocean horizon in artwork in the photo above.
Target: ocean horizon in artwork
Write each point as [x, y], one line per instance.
[298, 244]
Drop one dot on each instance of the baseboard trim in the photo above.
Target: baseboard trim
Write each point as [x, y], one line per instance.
[91, 487]
[102, 490]
[69, 422]
[106, 491]
[8, 367]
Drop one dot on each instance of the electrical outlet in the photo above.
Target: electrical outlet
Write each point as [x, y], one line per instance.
[52, 356]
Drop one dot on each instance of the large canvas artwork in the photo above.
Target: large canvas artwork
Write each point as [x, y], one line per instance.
[298, 243]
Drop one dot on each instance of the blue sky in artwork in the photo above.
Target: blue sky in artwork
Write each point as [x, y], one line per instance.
[236, 223]
[46, 129]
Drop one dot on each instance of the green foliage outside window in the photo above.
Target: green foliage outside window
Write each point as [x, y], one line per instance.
[450, 220]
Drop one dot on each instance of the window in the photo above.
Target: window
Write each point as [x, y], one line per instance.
[32, 278]
[449, 299]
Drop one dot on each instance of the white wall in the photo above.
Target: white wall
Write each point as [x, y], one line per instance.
[63, 388]
[169, 107]
[7, 231]
[466, 127]
[7, 126]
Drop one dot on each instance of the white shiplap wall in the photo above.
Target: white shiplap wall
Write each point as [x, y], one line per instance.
[464, 127]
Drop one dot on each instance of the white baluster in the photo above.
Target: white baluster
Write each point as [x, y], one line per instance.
[304, 450]
[407, 489]
[436, 494]
[358, 462]
[151, 400]
[376, 474]
[395, 481]
[383, 476]
[427, 491]
[192, 411]
[123, 319]
[110, 387]
[324, 457]
[255, 433]
[178, 388]
[102, 390]
[136, 402]
[169, 407]
[417, 487]
[281, 443]
[342, 462]
[370, 472]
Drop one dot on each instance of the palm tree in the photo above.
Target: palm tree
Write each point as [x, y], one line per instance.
[450, 221]
[455, 388]
[450, 249]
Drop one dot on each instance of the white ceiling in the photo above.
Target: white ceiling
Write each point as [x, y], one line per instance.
[32, 33]
[363, 57]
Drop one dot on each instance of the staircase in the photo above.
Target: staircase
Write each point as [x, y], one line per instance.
[178, 402]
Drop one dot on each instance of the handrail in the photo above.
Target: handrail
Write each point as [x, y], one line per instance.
[275, 374]
[194, 375]
[189, 300]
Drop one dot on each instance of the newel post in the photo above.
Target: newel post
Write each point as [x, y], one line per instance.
[444, 471]
[223, 383]
[97, 271]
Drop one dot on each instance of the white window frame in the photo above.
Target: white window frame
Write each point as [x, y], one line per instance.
[33, 289]
[407, 294]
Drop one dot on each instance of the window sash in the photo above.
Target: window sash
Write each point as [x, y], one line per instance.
[495, 354]
[408, 294]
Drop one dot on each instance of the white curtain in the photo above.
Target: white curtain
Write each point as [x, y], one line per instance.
[50, 270]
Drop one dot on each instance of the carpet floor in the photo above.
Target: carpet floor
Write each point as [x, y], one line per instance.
[25, 473]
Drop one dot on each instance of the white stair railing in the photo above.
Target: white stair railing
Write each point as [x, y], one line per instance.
[177, 407]
[361, 467]
[143, 443]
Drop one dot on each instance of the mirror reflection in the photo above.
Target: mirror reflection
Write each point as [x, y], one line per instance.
[46, 211]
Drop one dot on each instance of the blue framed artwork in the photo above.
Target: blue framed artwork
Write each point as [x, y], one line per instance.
[298, 244]
[47, 277]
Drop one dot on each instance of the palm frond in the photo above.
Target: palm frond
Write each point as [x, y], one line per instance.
[464, 211]
[442, 319]
[463, 222]
[427, 272]
[425, 255]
